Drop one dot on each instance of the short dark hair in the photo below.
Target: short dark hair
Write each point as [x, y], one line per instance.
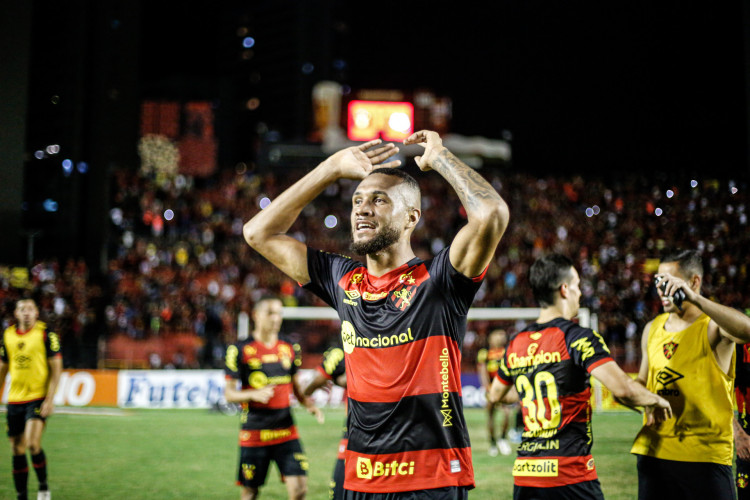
[547, 274]
[689, 261]
[407, 180]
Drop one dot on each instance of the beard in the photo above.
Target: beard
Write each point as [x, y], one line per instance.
[382, 240]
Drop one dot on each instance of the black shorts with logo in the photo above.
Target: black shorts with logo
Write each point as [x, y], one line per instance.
[589, 490]
[447, 493]
[254, 462]
[20, 413]
[660, 479]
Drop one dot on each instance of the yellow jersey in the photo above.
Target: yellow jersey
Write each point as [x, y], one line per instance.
[683, 369]
[26, 355]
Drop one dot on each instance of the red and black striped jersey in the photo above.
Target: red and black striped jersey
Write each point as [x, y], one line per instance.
[256, 365]
[742, 385]
[402, 334]
[489, 360]
[550, 364]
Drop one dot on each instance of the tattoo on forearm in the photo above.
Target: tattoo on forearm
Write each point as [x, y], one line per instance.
[472, 189]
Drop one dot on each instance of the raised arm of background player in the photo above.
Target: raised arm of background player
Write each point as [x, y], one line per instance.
[487, 213]
[266, 231]
[625, 390]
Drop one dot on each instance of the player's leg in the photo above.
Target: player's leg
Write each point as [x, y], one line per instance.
[296, 487]
[502, 444]
[34, 430]
[292, 463]
[16, 423]
[248, 493]
[491, 428]
[252, 470]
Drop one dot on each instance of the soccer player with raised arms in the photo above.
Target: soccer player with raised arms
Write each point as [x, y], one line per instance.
[403, 319]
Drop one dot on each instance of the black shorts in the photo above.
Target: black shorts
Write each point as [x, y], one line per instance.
[660, 479]
[254, 462]
[742, 479]
[579, 491]
[336, 486]
[447, 493]
[20, 413]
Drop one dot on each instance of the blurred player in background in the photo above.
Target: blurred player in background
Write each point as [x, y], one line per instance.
[31, 354]
[403, 320]
[333, 369]
[549, 362]
[742, 422]
[265, 368]
[488, 362]
[688, 355]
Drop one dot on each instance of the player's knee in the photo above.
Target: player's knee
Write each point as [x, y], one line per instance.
[35, 448]
[297, 487]
[249, 493]
[298, 492]
[18, 445]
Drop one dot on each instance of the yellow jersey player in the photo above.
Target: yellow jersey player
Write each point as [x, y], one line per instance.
[689, 358]
[31, 354]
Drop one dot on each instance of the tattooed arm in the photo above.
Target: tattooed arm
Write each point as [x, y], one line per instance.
[474, 245]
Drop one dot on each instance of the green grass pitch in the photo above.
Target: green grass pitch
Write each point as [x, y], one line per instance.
[179, 454]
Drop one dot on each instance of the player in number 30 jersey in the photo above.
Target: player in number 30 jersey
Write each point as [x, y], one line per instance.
[549, 362]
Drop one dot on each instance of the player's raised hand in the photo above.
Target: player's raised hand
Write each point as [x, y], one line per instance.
[432, 144]
[672, 284]
[356, 162]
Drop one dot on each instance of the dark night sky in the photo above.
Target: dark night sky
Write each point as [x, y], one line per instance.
[581, 85]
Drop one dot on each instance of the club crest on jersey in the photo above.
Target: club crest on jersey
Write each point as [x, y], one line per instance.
[669, 349]
[402, 298]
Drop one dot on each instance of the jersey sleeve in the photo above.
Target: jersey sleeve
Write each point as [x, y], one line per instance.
[587, 348]
[482, 356]
[297, 358]
[503, 374]
[325, 270]
[333, 365]
[51, 344]
[459, 289]
[232, 362]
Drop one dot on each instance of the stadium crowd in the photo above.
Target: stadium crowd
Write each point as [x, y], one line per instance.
[178, 262]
